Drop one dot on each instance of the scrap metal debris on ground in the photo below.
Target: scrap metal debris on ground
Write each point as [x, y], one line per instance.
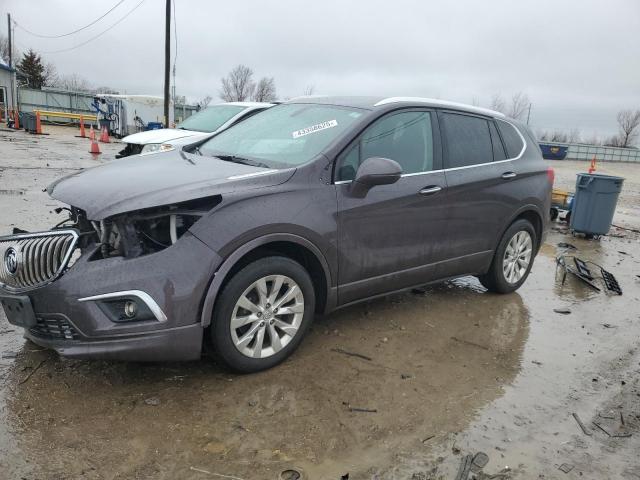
[581, 269]
[473, 464]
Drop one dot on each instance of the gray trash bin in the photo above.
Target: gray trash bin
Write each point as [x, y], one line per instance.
[28, 121]
[595, 203]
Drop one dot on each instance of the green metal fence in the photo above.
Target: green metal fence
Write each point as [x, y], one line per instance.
[580, 151]
[73, 102]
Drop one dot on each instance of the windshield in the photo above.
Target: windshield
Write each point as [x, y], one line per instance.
[283, 136]
[210, 119]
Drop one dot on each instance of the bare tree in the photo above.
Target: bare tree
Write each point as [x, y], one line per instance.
[238, 85]
[628, 121]
[497, 103]
[204, 103]
[106, 89]
[592, 140]
[613, 141]
[265, 90]
[519, 104]
[574, 136]
[4, 50]
[516, 109]
[309, 90]
[73, 83]
[50, 74]
[558, 136]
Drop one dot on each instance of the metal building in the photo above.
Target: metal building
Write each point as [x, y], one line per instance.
[7, 81]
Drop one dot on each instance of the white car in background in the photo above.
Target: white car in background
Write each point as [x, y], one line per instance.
[196, 127]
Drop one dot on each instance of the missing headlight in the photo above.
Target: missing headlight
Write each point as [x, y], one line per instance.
[150, 230]
[161, 232]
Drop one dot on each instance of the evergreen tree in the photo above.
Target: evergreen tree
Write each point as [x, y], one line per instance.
[32, 68]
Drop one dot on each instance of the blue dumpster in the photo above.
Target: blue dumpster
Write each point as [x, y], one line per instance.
[553, 152]
[595, 203]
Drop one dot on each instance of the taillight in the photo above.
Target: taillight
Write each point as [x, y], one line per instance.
[551, 175]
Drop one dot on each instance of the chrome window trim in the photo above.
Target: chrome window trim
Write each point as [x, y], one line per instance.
[139, 294]
[63, 265]
[524, 141]
[341, 182]
[524, 147]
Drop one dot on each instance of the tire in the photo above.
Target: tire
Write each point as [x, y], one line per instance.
[245, 322]
[496, 279]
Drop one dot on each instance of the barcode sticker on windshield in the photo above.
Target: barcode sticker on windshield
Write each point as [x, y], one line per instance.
[315, 128]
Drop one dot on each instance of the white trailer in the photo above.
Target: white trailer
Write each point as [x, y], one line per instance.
[128, 114]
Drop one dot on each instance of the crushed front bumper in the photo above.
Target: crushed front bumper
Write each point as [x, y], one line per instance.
[67, 320]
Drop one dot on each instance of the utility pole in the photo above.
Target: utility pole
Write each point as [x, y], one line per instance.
[10, 44]
[167, 63]
[529, 114]
[14, 102]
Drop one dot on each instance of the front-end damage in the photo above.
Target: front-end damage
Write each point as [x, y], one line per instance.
[145, 231]
[130, 287]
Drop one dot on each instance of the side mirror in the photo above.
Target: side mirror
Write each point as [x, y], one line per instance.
[375, 171]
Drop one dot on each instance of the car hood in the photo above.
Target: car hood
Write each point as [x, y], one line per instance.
[145, 181]
[163, 135]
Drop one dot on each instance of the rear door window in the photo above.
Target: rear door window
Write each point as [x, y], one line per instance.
[467, 140]
[511, 138]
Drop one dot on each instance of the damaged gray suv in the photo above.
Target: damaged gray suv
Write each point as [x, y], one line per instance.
[306, 207]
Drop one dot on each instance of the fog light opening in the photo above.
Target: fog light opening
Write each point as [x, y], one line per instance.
[130, 309]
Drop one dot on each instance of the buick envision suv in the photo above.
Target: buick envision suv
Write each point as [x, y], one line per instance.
[312, 205]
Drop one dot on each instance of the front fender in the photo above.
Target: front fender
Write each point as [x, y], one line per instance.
[226, 266]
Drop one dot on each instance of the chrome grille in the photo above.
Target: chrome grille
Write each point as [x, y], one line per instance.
[32, 260]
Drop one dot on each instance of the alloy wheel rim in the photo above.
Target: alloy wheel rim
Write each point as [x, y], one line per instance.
[517, 257]
[267, 316]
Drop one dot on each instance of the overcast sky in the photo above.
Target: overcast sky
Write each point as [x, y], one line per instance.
[578, 61]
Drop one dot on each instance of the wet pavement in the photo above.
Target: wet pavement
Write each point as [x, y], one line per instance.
[442, 373]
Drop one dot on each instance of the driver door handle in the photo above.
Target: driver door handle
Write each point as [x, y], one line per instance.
[507, 175]
[430, 190]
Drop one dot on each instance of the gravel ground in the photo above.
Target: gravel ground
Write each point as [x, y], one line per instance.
[453, 371]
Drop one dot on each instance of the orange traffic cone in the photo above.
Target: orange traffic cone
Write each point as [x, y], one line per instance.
[592, 168]
[92, 134]
[82, 132]
[38, 124]
[16, 116]
[104, 136]
[95, 148]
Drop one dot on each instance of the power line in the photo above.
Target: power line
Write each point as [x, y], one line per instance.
[75, 31]
[98, 35]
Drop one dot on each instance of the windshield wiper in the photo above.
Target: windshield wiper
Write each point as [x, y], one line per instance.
[242, 160]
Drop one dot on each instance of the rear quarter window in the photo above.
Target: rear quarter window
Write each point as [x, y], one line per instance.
[512, 140]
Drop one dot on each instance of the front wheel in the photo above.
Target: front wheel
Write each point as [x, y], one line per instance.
[262, 314]
[513, 258]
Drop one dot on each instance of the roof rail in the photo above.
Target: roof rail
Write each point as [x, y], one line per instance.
[441, 103]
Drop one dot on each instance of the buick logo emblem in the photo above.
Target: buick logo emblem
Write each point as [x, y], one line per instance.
[11, 261]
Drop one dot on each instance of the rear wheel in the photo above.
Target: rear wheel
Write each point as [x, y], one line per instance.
[513, 258]
[262, 314]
